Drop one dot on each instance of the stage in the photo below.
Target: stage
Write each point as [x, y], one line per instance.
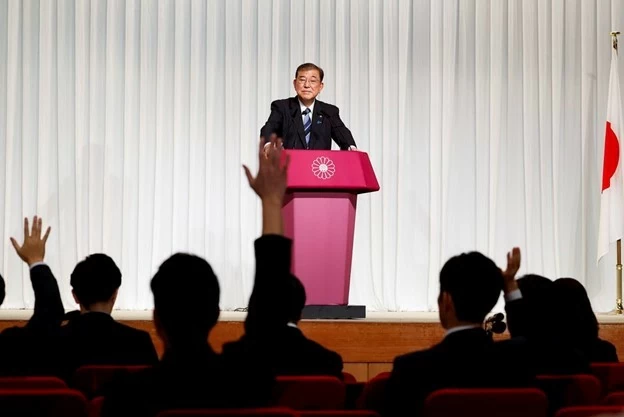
[367, 346]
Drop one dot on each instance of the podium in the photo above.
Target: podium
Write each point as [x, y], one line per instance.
[319, 216]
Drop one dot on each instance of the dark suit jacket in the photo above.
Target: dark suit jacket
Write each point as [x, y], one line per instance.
[196, 378]
[268, 338]
[97, 339]
[286, 121]
[465, 359]
[548, 353]
[25, 350]
[289, 352]
[602, 351]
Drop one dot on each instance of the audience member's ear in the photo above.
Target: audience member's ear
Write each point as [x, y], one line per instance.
[447, 303]
[75, 297]
[160, 331]
[114, 296]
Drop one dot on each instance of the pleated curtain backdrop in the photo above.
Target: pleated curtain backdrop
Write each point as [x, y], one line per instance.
[124, 124]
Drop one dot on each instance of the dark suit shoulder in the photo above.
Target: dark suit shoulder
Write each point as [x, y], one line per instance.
[603, 351]
[129, 330]
[328, 108]
[283, 102]
[320, 353]
[419, 356]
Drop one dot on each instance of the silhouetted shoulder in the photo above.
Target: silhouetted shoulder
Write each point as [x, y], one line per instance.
[603, 351]
[130, 331]
[421, 359]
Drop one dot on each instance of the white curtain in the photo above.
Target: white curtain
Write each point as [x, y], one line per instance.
[124, 124]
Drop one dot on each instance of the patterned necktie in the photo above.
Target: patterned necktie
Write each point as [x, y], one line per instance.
[307, 124]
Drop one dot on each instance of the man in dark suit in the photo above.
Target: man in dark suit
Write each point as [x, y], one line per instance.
[25, 350]
[286, 349]
[93, 337]
[303, 122]
[470, 285]
[186, 308]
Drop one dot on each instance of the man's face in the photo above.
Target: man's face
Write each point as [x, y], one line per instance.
[308, 84]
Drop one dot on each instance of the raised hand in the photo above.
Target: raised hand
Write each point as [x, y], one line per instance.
[270, 182]
[513, 263]
[32, 250]
[509, 274]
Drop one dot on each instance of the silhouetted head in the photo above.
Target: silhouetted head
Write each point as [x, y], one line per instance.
[470, 285]
[578, 323]
[537, 294]
[95, 282]
[186, 300]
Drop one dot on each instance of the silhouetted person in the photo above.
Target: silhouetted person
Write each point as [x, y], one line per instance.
[285, 348]
[93, 337]
[470, 285]
[578, 325]
[26, 350]
[186, 308]
[536, 319]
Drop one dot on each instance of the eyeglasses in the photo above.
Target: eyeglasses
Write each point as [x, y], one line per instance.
[313, 81]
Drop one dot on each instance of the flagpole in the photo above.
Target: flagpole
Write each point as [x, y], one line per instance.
[619, 308]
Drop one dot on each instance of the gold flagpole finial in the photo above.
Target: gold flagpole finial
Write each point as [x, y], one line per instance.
[614, 35]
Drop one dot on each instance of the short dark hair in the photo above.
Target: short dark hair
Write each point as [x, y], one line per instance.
[538, 296]
[474, 282]
[578, 324]
[186, 298]
[95, 279]
[2, 290]
[310, 66]
[295, 298]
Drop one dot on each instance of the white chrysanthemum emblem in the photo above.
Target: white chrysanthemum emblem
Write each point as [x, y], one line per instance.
[323, 168]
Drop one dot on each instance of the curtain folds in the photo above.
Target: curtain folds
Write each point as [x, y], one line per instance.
[124, 124]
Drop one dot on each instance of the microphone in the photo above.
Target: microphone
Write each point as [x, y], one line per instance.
[495, 324]
[495, 317]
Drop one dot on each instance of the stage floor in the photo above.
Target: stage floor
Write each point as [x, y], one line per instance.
[368, 346]
[371, 316]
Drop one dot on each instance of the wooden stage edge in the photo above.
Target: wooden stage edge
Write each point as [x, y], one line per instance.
[368, 346]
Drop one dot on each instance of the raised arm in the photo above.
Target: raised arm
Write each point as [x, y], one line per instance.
[273, 250]
[48, 305]
[514, 304]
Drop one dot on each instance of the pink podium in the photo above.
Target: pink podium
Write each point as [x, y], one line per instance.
[319, 215]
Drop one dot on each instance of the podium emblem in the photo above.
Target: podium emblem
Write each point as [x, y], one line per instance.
[323, 168]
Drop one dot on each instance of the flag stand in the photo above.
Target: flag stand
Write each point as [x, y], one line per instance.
[618, 273]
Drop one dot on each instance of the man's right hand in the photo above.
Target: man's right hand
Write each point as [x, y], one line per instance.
[32, 250]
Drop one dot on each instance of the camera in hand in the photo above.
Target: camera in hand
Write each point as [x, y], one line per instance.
[495, 324]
